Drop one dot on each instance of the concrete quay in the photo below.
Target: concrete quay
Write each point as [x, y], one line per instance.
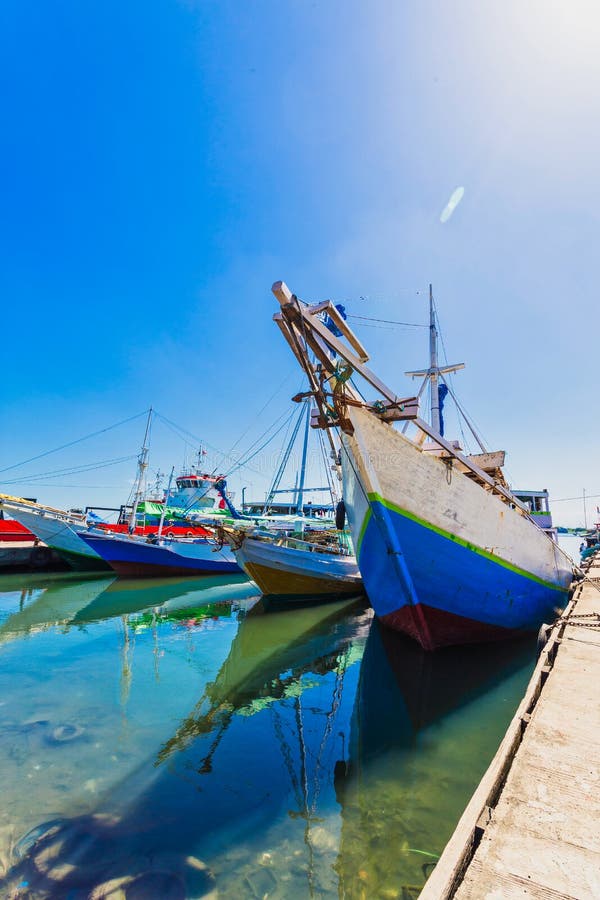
[532, 827]
[28, 556]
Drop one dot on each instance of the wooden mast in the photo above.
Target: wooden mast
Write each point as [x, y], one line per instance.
[432, 374]
[142, 466]
[434, 386]
[166, 503]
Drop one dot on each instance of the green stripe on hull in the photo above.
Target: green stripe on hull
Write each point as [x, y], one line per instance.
[363, 529]
[377, 498]
[83, 562]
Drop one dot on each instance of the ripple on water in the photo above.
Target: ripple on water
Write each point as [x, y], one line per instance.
[66, 732]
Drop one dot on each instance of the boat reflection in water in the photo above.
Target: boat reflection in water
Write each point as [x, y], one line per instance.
[324, 757]
[207, 786]
[424, 728]
[70, 601]
[49, 600]
[167, 595]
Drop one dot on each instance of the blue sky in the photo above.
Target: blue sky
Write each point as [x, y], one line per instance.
[165, 162]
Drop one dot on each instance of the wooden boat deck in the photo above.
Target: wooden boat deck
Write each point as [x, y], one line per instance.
[532, 828]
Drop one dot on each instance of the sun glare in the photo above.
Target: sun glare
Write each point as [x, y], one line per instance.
[452, 203]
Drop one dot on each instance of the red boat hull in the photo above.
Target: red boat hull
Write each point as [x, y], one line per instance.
[10, 530]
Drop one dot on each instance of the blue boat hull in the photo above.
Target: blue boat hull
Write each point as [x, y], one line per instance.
[442, 592]
[138, 558]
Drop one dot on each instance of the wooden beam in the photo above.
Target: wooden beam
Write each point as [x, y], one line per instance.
[294, 309]
[284, 295]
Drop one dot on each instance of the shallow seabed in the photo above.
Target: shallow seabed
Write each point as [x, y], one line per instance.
[177, 738]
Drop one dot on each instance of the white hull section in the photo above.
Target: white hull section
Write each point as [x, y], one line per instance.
[379, 461]
[56, 533]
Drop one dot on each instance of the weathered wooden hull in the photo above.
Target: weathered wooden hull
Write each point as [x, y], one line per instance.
[301, 574]
[442, 559]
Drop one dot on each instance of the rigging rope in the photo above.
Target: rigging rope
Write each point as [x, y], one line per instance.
[473, 427]
[257, 416]
[71, 470]
[72, 443]
[387, 321]
[243, 463]
[260, 437]
[283, 457]
[180, 431]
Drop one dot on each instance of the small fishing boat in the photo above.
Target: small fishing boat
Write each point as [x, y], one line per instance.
[295, 569]
[158, 556]
[447, 552]
[195, 499]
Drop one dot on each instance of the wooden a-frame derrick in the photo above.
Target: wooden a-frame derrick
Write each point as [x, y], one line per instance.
[304, 332]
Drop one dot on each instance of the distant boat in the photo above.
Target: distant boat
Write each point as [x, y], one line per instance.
[61, 530]
[447, 552]
[130, 555]
[196, 499]
[294, 569]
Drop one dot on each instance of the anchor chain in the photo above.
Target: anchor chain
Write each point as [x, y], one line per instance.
[574, 620]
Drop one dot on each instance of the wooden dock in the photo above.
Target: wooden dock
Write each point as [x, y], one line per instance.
[532, 828]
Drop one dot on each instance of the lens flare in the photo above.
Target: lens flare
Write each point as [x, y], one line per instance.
[452, 204]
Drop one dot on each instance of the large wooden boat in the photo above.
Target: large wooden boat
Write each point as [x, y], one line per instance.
[448, 554]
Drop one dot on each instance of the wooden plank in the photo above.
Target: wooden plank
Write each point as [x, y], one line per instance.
[489, 461]
[542, 835]
[545, 867]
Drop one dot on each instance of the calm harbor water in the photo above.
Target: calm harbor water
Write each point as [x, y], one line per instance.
[177, 738]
